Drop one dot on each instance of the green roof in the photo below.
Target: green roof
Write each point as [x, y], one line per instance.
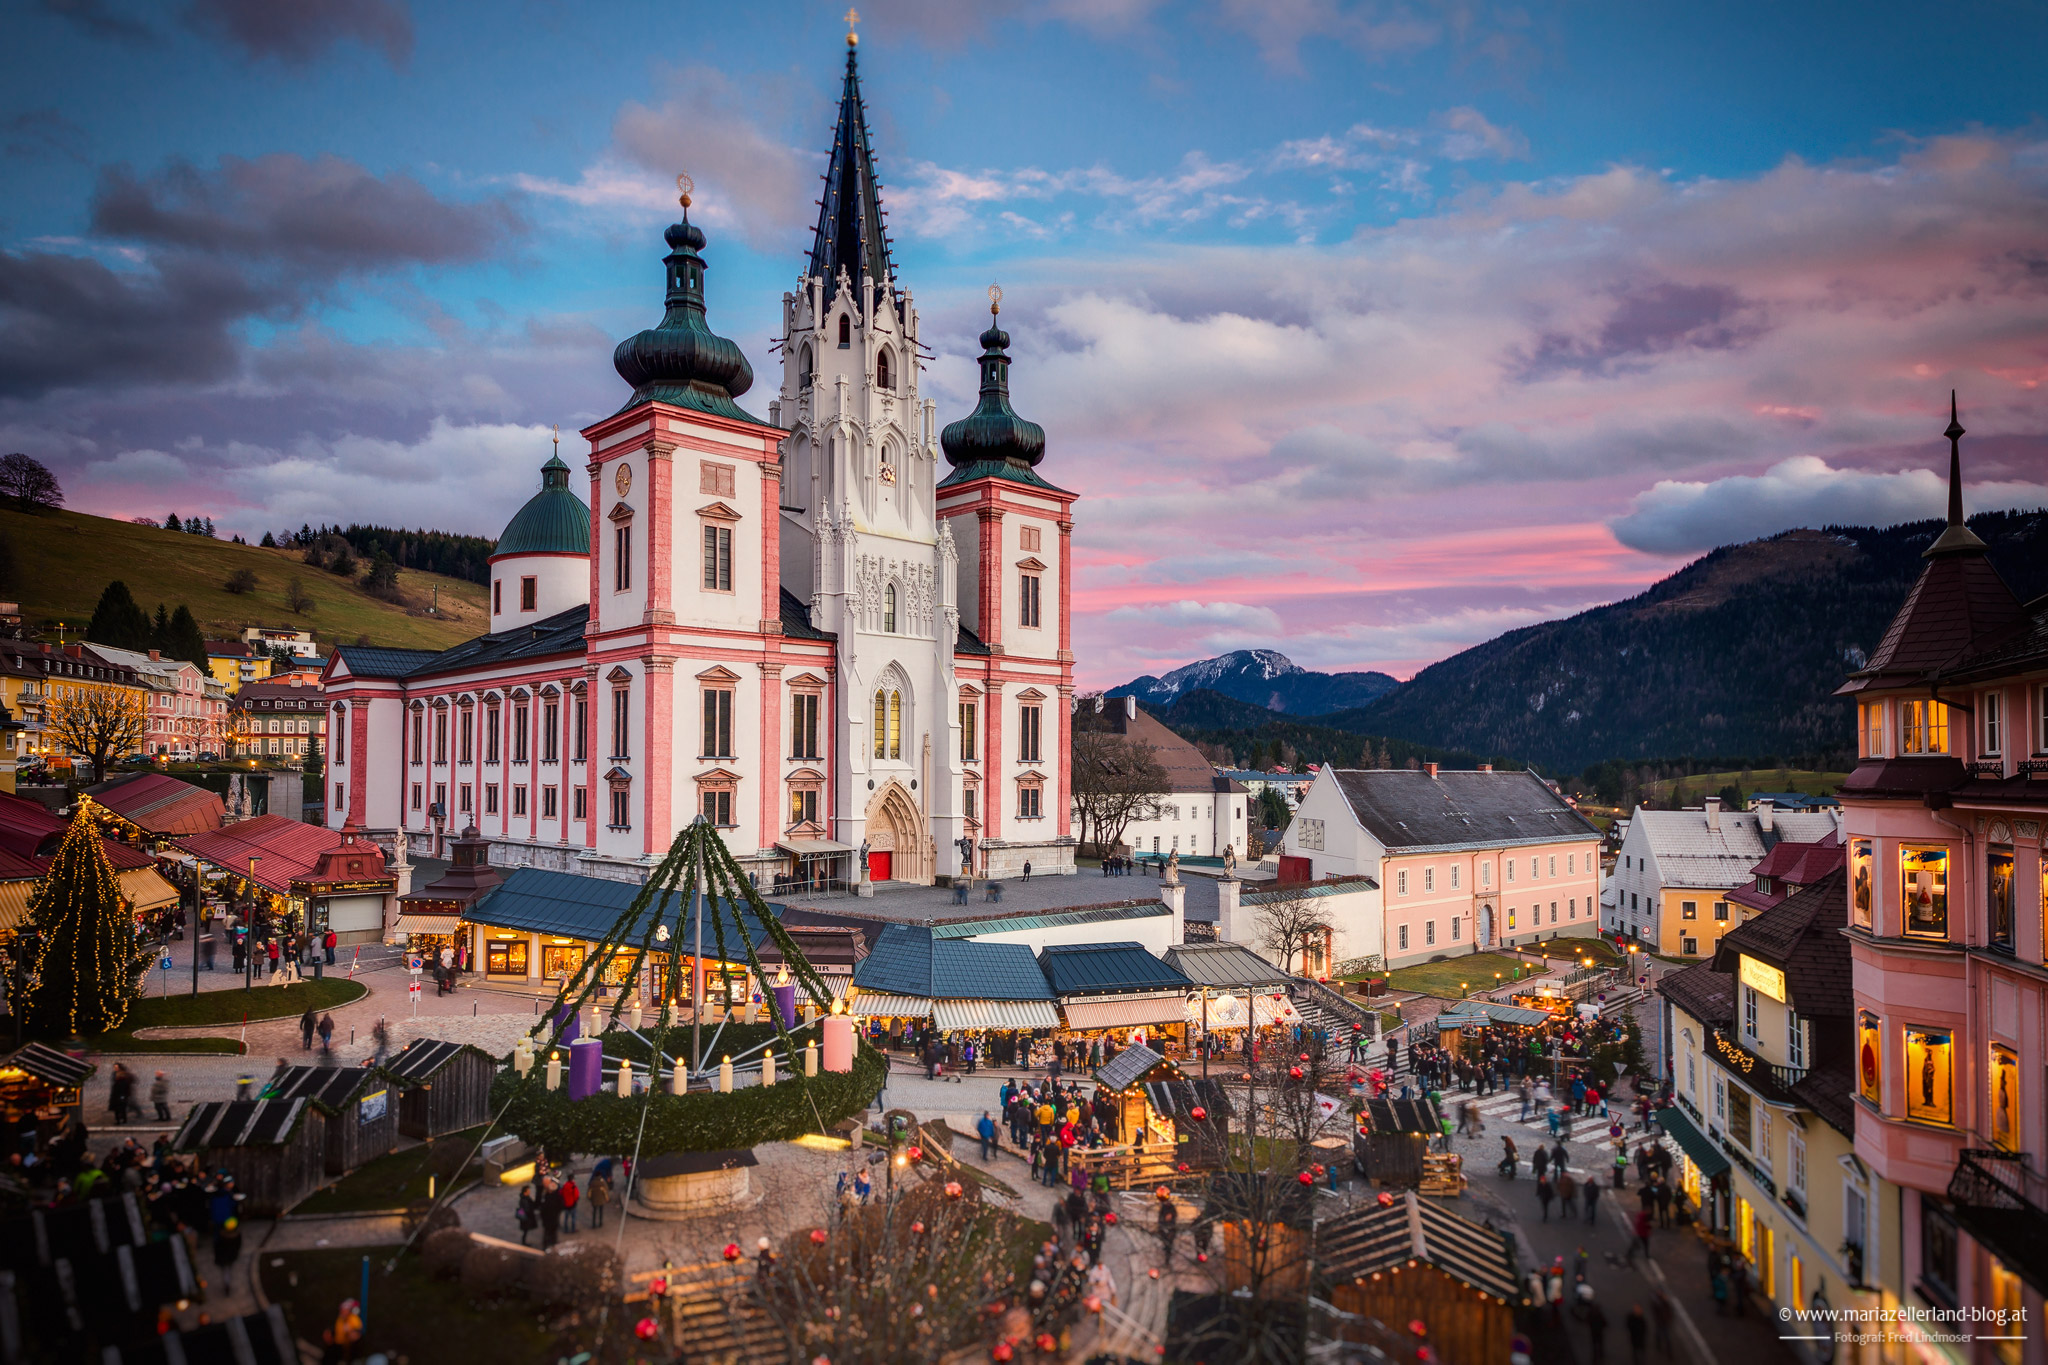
[554, 521]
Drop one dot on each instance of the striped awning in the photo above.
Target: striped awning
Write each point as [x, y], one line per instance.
[1124, 1011]
[882, 1005]
[441, 925]
[965, 1014]
[147, 888]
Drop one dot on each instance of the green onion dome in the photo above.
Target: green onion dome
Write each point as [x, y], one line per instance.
[993, 432]
[682, 361]
[553, 522]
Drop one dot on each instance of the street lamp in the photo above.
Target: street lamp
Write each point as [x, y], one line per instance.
[249, 928]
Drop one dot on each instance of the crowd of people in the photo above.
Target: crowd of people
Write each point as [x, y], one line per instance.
[553, 1203]
[179, 1196]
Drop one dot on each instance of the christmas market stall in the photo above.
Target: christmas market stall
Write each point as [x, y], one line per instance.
[275, 1149]
[1168, 1124]
[1117, 993]
[443, 1087]
[1403, 1258]
[1234, 988]
[31, 832]
[39, 1085]
[1391, 1144]
[150, 807]
[913, 975]
[433, 917]
[362, 1123]
[80, 1281]
[302, 878]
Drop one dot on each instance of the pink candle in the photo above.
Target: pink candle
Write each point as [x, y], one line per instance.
[838, 1043]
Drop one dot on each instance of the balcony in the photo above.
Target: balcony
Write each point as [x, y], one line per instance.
[1769, 1079]
[2000, 1200]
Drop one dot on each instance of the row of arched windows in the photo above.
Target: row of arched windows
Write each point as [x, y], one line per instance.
[888, 723]
[885, 369]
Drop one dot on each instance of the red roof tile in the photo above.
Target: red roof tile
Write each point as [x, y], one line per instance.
[289, 851]
[161, 804]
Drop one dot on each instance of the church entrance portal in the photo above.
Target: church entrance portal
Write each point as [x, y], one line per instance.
[899, 842]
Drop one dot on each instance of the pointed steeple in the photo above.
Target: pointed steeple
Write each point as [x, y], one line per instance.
[1957, 538]
[850, 235]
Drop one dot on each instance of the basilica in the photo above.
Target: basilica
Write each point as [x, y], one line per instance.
[840, 634]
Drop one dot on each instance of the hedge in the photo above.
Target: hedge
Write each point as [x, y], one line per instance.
[700, 1121]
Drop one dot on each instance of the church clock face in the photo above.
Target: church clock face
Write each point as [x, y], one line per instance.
[623, 480]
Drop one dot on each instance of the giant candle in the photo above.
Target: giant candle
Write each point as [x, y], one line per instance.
[838, 1043]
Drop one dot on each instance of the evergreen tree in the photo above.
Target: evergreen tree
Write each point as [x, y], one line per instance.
[160, 631]
[313, 764]
[184, 639]
[171, 523]
[87, 958]
[118, 621]
[269, 541]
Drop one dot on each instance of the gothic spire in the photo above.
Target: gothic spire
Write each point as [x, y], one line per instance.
[1957, 538]
[850, 234]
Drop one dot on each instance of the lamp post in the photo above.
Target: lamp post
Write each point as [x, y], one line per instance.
[249, 928]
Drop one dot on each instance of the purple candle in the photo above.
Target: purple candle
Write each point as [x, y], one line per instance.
[586, 1068]
[785, 1003]
[571, 1023]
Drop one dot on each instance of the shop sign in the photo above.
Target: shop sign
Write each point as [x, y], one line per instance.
[1763, 977]
[372, 1106]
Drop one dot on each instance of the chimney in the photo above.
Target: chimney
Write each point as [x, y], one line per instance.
[1486, 767]
[1429, 768]
[1766, 814]
[1228, 929]
[1130, 708]
[1713, 809]
[155, 657]
[1175, 898]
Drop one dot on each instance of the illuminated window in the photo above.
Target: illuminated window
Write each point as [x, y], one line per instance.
[1998, 895]
[1923, 727]
[1923, 877]
[1862, 870]
[1930, 1075]
[1688, 909]
[1870, 728]
[2005, 1098]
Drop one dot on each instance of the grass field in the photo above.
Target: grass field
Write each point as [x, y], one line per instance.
[1600, 950]
[397, 1179]
[1443, 978]
[64, 560]
[221, 1007]
[1701, 785]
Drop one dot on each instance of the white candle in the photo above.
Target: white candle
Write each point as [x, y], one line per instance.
[811, 1058]
[554, 1071]
[633, 1016]
[678, 1079]
[625, 1077]
[725, 1076]
[767, 1068]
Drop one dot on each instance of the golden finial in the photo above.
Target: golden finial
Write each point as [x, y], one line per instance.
[995, 298]
[852, 18]
[683, 187]
[557, 429]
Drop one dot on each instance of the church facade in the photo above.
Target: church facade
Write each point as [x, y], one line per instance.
[840, 634]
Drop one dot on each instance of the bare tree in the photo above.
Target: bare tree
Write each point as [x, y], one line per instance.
[1291, 925]
[29, 482]
[1114, 781]
[296, 599]
[100, 725]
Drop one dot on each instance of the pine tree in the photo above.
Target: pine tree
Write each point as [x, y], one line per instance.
[117, 620]
[269, 541]
[184, 639]
[88, 959]
[171, 523]
[160, 631]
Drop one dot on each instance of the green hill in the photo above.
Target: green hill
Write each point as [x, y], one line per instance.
[62, 561]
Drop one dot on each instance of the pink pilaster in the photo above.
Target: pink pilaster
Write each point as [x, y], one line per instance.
[990, 574]
[661, 531]
[657, 764]
[994, 768]
[771, 754]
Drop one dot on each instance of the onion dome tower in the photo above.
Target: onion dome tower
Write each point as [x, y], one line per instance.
[682, 361]
[993, 441]
[541, 565]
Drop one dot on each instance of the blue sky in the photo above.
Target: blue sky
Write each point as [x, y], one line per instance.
[1367, 331]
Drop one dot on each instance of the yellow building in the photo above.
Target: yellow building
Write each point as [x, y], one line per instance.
[234, 663]
[1762, 1056]
[36, 680]
[1670, 887]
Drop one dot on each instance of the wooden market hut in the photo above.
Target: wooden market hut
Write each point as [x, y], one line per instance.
[1415, 1259]
[39, 1085]
[1391, 1144]
[275, 1149]
[362, 1123]
[1157, 1131]
[443, 1087]
[76, 1280]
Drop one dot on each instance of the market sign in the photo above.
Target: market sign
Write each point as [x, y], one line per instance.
[372, 1106]
[1764, 977]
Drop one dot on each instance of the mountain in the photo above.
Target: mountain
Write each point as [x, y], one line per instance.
[1246, 736]
[1737, 653]
[56, 564]
[1265, 679]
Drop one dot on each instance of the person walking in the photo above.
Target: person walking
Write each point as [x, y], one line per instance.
[986, 1130]
[1539, 1161]
[308, 1022]
[571, 1197]
[1589, 1191]
[1641, 1241]
[599, 1196]
[160, 1097]
[209, 948]
[1660, 1322]
[1638, 1334]
[327, 1033]
[550, 1213]
[527, 1215]
[1596, 1332]
[121, 1093]
[1567, 1194]
[1543, 1192]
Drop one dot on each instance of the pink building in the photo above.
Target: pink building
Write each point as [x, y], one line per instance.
[1942, 820]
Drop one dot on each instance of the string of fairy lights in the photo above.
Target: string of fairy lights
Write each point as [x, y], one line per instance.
[87, 949]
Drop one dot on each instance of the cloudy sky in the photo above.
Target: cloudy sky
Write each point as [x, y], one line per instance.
[1367, 330]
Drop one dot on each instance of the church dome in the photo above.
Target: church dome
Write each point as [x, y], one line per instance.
[993, 432]
[682, 361]
[554, 521]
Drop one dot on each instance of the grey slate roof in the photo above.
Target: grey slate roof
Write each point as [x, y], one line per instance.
[1224, 964]
[796, 620]
[1718, 857]
[1129, 1067]
[1799, 936]
[1407, 808]
[422, 1057]
[561, 633]
[1335, 886]
[375, 661]
[240, 1123]
[1702, 992]
[1106, 968]
[911, 960]
[564, 904]
[330, 1087]
[1372, 1238]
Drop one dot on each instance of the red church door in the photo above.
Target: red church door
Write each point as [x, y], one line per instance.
[878, 865]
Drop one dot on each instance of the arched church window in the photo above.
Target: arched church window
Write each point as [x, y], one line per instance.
[895, 724]
[881, 722]
[803, 368]
[845, 331]
[889, 608]
[882, 376]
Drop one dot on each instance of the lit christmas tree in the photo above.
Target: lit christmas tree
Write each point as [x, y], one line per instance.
[87, 958]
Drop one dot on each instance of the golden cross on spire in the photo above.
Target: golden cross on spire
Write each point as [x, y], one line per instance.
[557, 429]
[852, 18]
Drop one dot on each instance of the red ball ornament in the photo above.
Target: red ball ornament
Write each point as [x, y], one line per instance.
[1202, 1256]
[1295, 1072]
[646, 1328]
[917, 1310]
[818, 1236]
[1386, 1199]
[918, 1227]
[1418, 1327]
[732, 1251]
[953, 1190]
[1185, 1168]
[1424, 1355]
[1305, 1178]
[657, 1285]
[1320, 1170]
[1198, 1113]
[1154, 1272]
[1304, 1056]
[1001, 1351]
[1109, 1218]
[1162, 1194]
[1048, 1343]
[915, 1153]
[1093, 1303]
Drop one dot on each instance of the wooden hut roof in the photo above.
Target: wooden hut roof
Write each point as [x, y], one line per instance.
[1182, 1095]
[417, 1062]
[1380, 1237]
[47, 1064]
[1401, 1116]
[260, 1338]
[1130, 1066]
[330, 1087]
[241, 1123]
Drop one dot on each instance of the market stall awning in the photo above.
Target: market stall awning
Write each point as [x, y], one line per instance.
[1697, 1145]
[1125, 1011]
[883, 1005]
[147, 888]
[1007, 1014]
[1227, 1011]
[813, 848]
[441, 925]
[48, 1065]
[14, 904]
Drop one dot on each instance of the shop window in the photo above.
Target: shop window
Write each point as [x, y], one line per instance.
[1923, 876]
[1869, 1059]
[560, 961]
[2005, 1098]
[1862, 871]
[1930, 1075]
[505, 957]
[1998, 904]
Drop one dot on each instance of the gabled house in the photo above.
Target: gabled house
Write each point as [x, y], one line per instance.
[1671, 885]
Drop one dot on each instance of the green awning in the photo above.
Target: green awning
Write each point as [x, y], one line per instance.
[1692, 1141]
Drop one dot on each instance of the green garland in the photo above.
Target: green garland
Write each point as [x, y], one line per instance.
[701, 1121]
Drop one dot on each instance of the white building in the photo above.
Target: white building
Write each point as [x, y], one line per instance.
[808, 629]
[1669, 889]
[1203, 812]
[1464, 860]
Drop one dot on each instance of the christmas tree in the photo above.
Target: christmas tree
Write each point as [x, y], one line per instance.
[87, 957]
